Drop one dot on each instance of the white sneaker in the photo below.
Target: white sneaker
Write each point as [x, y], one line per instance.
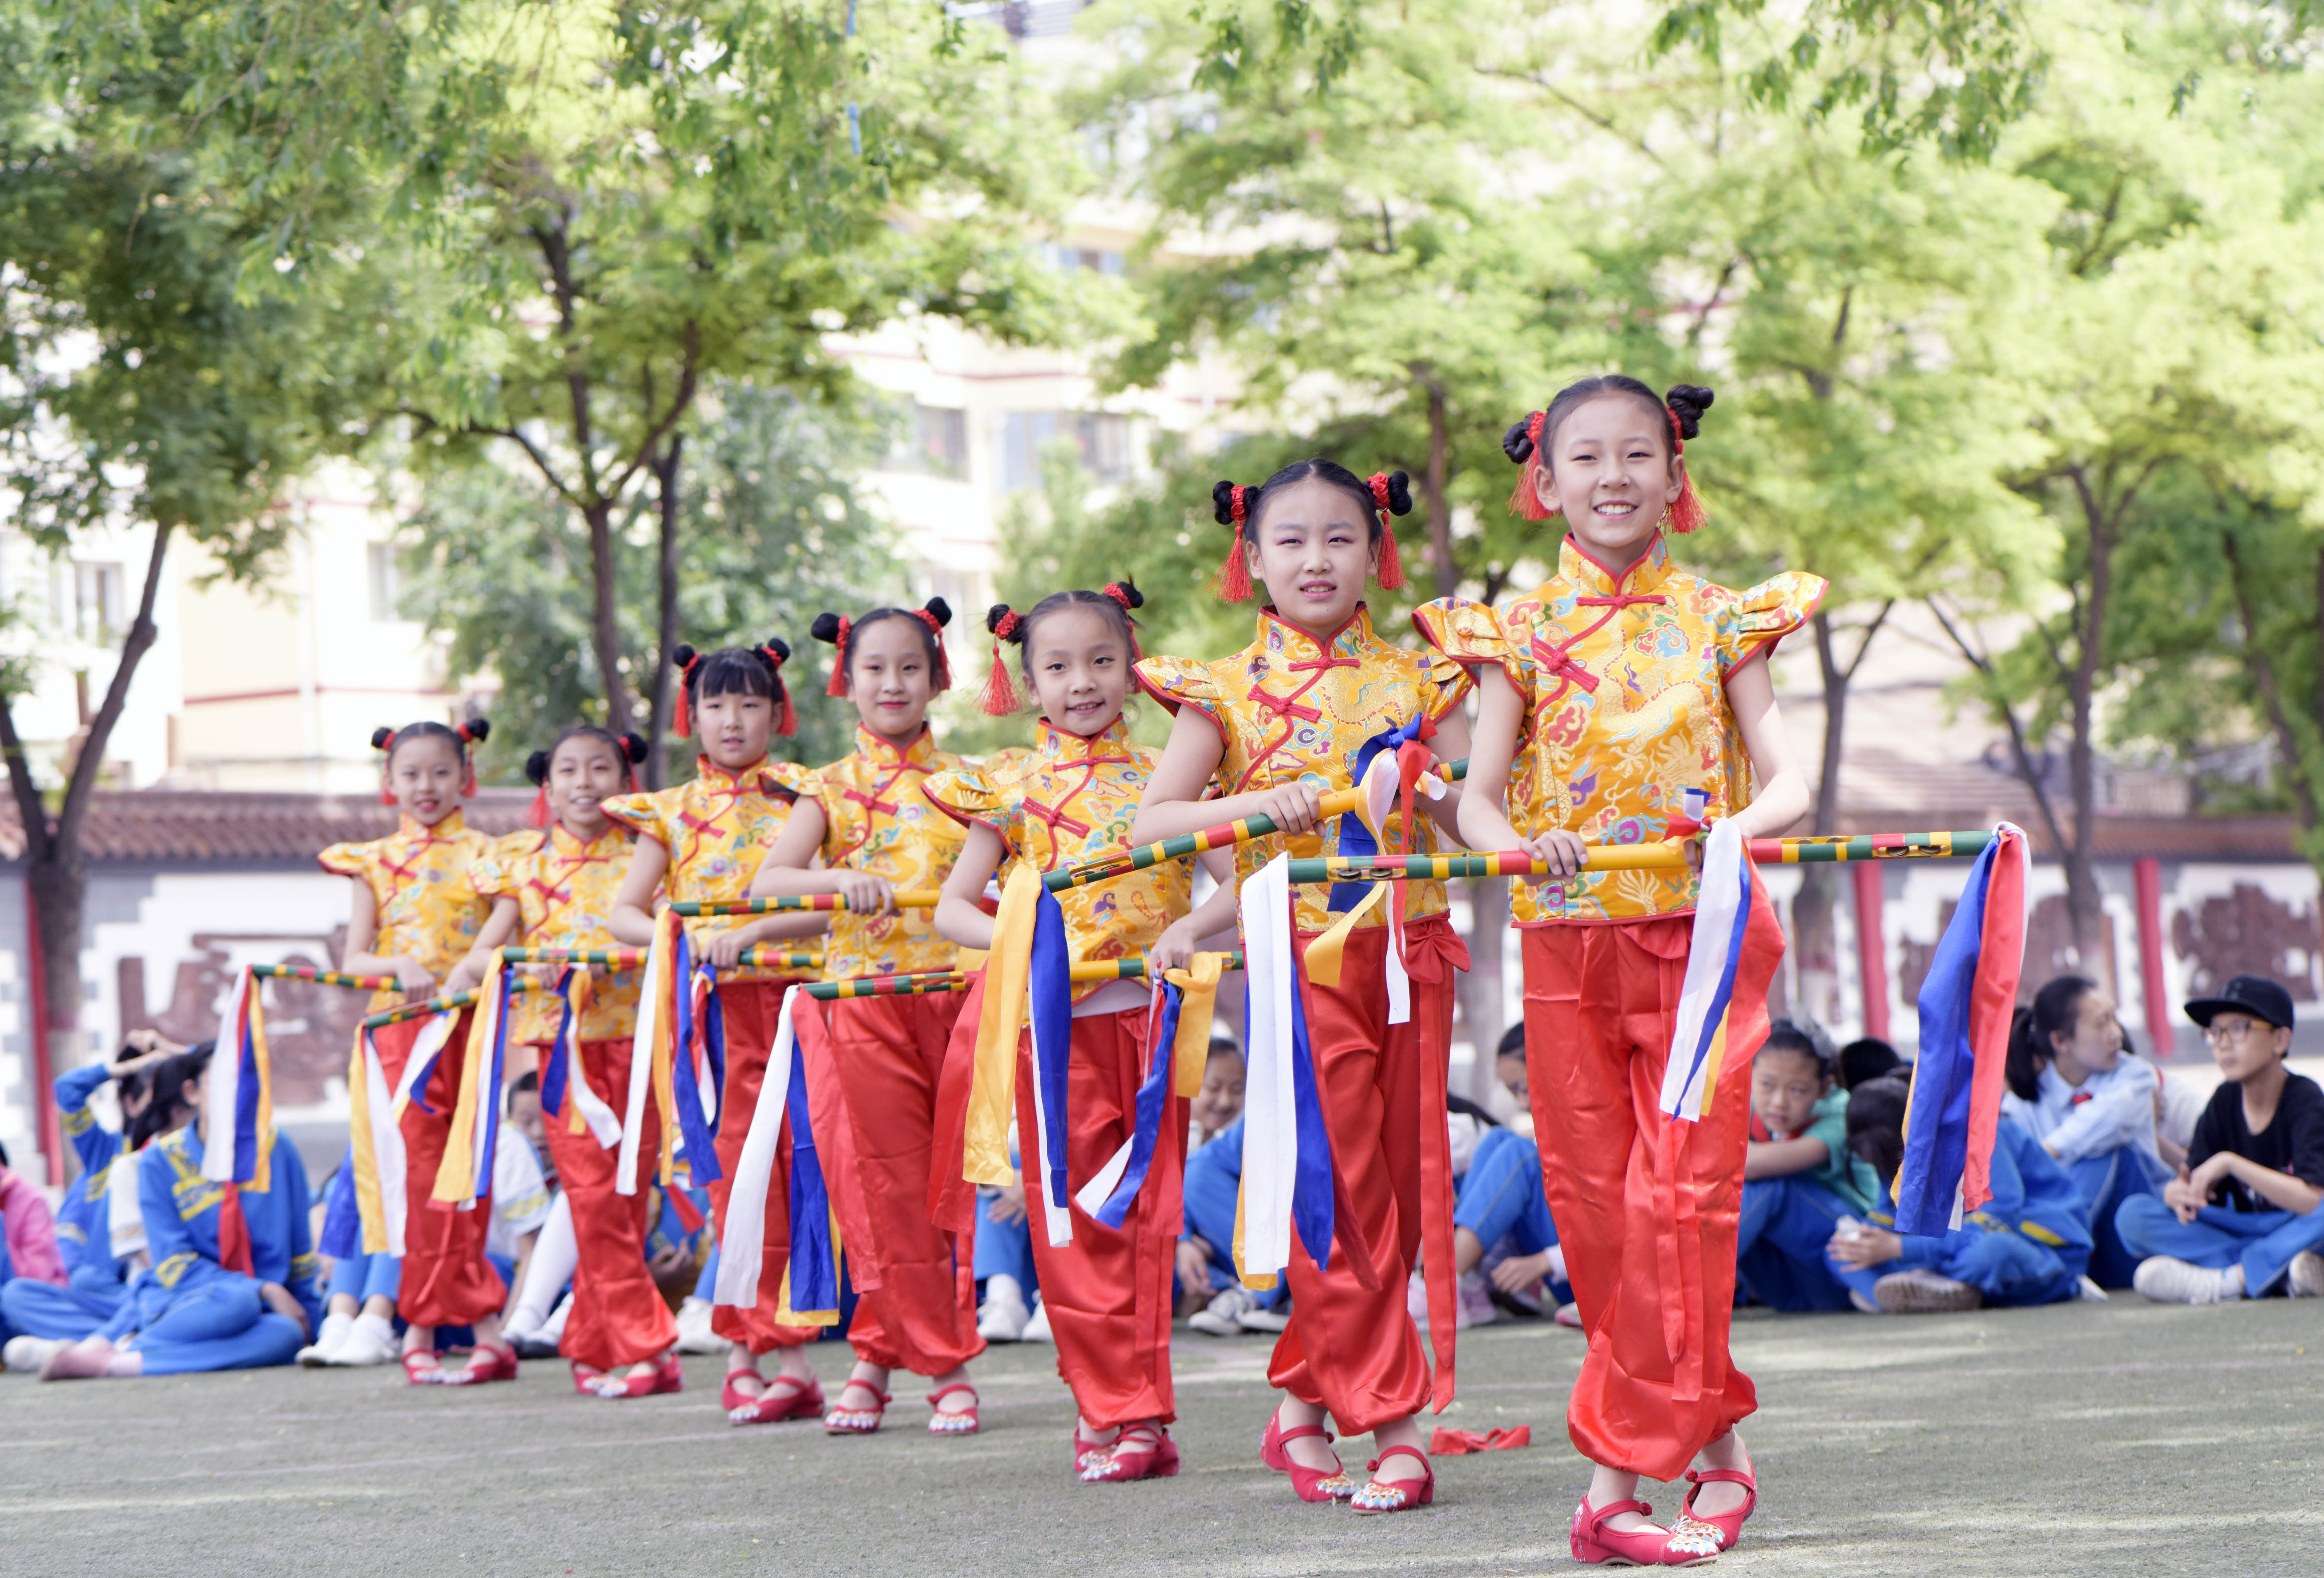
[2304, 1277]
[1224, 1316]
[26, 1355]
[2085, 1287]
[1473, 1303]
[1003, 1317]
[1257, 1319]
[694, 1333]
[1037, 1330]
[2166, 1280]
[336, 1327]
[369, 1341]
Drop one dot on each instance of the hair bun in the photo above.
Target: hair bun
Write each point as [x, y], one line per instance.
[1518, 442]
[781, 648]
[1132, 597]
[381, 738]
[681, 656]
[825, 628]
[1687, 402]
[634, 747]
[476, 730]
[938, 609]
[536, 768]
[998, 614]
[1399, 493]
[1223, 503]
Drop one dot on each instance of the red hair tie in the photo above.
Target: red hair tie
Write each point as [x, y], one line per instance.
[539, 815]
[838, 685]
[681, 717]
[1234, 575]
[1119, 593]
[383, 741]
[785, 715]
[1391, 566]
[943, 663]
[1000, 698]
[1525, 500]
[1686, 512]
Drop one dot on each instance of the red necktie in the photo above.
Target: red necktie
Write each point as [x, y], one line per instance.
[234, 1232]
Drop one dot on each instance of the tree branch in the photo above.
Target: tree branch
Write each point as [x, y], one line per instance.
[2017, 747]
[30, 812]
[687, 374]
[82, 786]
[2263, 672]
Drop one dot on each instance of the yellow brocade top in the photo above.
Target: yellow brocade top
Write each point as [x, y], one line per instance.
[1624, 681]
[564, 891]
[1070, 800]
[716, 826]
[420, 894]
[1290, 710]
[877, 820]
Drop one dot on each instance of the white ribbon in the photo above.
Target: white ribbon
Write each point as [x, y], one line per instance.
[1270, 1146]
[741, 1238]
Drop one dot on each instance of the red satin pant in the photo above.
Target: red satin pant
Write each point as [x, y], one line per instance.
[752, 1010]
[618, 1316]
[1108, 1292]
[916, 1309]
[1351, 1350]
[446, 1280]
[1601, 1006]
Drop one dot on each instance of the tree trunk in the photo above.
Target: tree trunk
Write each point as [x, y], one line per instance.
[2084, 904]
[1479, 991]
[606, 633]
[1440, 513]
[1814, 937]
[665, 470]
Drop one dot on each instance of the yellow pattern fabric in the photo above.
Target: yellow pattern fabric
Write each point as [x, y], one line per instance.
[1624, 681]
[717, 826]
[1291, 710]
[876, 819]
[1066, 800]
[564, 891]
[419, 891]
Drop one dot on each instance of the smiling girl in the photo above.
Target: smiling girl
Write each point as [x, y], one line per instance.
[1607, 692]
[1295, 716]
[1074, 797]
[875, 832]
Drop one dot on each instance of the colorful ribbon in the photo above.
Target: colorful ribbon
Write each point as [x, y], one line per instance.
[993, 1090]
[810, 1292]
[1108, 1196]
[466, 1171]
[239, 1099]
[649, 1044]
[696, 1078]
[562, 1070]
[1288, 1182]
[1049, 1005]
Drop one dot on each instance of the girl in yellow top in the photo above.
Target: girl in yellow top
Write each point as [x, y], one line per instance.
[416, 913]
[1296, 715]
[1072, 798]
[704, 839]
[1609, 693]
[866, 819]
[556, 889]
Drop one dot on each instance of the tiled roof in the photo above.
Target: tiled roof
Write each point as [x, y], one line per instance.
[183, 824]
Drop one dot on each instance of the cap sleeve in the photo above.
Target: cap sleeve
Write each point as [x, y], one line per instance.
[1466, 635]
[494, 872]
[1448, 681]
[348, 860]
[971, 797]
[1176, 682]
[786, 780]
[1765, 614]
[641, 813]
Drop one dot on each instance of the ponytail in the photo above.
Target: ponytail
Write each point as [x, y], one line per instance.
[2051, 1012]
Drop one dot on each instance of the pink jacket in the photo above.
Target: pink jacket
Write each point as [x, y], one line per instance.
[32, 1232]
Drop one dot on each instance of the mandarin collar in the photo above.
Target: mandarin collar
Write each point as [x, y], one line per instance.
[564, 844]
[1063, 746]
[1576, 568]
[1349, 640]
[921, 752]
[451, 827]
[730, 780]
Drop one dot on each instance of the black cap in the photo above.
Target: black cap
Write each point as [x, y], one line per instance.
[2255, 995]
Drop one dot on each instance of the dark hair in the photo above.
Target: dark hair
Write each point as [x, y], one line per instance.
[167, 1079]
[1513, 1043]
[628, 749]
[1685, 402]
[1875, 1123]
[839, 630]
[1787, 1035]
[1006, 624]
[472, 732]
[1865, 1059]
[1398, 488]
[2052, 1011]
[734, 671]
[1223, 1046]
[525, 1084]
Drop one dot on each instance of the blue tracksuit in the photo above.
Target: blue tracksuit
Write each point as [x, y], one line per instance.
[94, 1280]
[1005, 1249]
[1500, 1196]
[187, 1312]
[2262, 1242]
[2026, 1245]
[1213, 1187]
[92, 1142]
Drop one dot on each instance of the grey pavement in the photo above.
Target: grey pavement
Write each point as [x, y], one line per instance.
[2118, 1438]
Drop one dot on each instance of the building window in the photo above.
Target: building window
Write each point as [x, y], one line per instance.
[1102, 440]
[1096, 260]
[96, 602]
[934, 444]
[386, 582]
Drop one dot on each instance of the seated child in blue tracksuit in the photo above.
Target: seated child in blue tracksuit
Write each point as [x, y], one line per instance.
[2026, 1245]
[2245, 1214]
[2074, 1088]
[1799, 1177]
[1499, 1207]
[188, 1312]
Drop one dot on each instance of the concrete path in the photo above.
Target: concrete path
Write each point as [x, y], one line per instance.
[2105, 1439]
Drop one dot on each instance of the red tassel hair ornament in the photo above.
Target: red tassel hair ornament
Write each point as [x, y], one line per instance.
[472, 731]
[383, 741]
[786, 715]
[1525, 499]
[1391, 566]
[1000, 698]
[927, 616]
[1233, 502]
[681, 716]
[1686, 512]
[538, 816]
[837, 683]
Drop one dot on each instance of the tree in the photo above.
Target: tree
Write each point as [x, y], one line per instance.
[144, 389]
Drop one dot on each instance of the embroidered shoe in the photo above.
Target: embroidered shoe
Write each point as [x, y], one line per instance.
[1380, 1495]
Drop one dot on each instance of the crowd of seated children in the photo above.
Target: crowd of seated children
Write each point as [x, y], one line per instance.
[1800, 1178]
[2240, 1220]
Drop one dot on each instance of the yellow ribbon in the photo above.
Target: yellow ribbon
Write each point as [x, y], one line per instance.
[1323, 958]
[992, 1093]
[785, 1316]
[263, 1177]
[368, 1203]
[1192, 1051]
[665, 1045]
[455, 1178]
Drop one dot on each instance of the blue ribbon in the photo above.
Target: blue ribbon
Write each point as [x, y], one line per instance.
[342, 1234]
[686, 1090]
[1936, 1136]
[815, 1270]
[553, 1070]
[1724, 995]
[245, 1095]
[1356, 840]
[1312, 1189]
[1049, 1005]
[1153, 1096]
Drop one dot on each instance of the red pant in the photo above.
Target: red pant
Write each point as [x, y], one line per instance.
[1108, 1292]
[1350, 1349]
[752, 1010]
[1645, 1206]
[446, 1280]
[888, 1052]
[618, 1316]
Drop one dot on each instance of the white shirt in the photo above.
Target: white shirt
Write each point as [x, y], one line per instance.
[520, 1194]
[2106, 1111]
